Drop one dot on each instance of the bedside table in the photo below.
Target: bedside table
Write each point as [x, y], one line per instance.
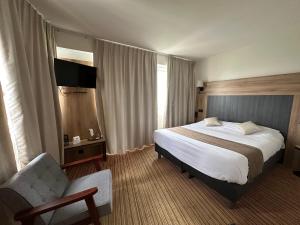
[85, 149]
[296, 162]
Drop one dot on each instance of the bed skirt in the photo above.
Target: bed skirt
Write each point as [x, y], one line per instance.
[231, 191]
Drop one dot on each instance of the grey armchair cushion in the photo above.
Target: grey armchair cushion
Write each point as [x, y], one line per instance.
[78, 211]
[41, 181]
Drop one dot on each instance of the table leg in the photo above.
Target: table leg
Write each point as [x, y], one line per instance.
[104, 152]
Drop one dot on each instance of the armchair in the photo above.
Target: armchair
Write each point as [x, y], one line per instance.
[41, 194]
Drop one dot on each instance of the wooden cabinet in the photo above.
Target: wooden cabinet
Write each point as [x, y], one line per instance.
[84, 149]
[200, 103]
[296, 160]
[78, 108]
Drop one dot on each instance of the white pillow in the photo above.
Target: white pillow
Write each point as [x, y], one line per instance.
[212, 121]
[249, 128]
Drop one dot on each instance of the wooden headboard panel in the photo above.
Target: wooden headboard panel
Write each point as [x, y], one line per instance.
[267, 110]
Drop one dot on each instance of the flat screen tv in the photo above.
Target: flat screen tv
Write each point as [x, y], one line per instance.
[72, 74]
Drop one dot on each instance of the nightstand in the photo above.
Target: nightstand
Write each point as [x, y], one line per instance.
[85, 149]
[296, 162]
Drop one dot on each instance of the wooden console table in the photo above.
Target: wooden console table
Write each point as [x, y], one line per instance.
[84, 149]
[296, 166]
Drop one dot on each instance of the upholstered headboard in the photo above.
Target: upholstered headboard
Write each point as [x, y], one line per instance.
[267, 110]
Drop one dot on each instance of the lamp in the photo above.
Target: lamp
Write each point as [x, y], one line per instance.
[199, 84]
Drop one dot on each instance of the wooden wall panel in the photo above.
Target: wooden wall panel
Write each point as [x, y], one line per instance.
[78, 111]
[294, 132]
[78, 108]
[286, 84]
[200, 98]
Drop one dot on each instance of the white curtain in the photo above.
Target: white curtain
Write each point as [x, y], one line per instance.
[51, 48]
[127, 87]
[26, 81]
[181, 92]
[7, 159]
[162, 94]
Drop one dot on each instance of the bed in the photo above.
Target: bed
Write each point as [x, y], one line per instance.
[224, 170]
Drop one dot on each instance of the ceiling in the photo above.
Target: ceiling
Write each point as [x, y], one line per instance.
[187, 28]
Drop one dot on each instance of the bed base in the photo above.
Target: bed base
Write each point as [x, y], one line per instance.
[231, 191]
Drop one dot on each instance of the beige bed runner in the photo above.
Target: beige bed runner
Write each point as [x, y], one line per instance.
[254, 155]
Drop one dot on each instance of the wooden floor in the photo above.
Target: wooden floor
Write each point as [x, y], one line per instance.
[149, 191]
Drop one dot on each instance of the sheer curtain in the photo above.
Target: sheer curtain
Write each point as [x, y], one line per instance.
[26, 82]
[181, 92]
[127, 83]
[51, 49]
[7, 159]
[162, 94]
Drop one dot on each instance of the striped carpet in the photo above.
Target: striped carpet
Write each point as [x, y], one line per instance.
[149, 191]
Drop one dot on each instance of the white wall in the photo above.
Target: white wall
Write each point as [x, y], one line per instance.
[269, 57]
[162, 59]
[68, 39]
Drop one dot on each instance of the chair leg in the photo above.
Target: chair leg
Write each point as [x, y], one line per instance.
[93, 210]
[29, 221]
[191, 176]
[97, 165]
[182, 170]
[232, 204]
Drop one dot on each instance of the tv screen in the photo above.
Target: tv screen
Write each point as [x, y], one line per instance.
[72, 74]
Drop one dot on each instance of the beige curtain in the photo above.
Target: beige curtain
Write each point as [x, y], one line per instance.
[51, 47]
[127, 87]
[98, 62]
[7, 159]
[181, 92]
[26, 82]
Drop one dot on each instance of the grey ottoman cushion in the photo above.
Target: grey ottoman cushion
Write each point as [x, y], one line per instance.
[78, 211]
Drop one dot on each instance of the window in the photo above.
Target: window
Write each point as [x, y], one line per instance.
[162, 94]
[80, 56]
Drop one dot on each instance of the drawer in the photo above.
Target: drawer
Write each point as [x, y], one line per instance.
[82, 152]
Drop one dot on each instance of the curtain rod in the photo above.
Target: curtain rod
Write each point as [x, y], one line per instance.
[61, 29]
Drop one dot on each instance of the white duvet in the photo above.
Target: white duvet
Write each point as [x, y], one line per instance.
[217, 162]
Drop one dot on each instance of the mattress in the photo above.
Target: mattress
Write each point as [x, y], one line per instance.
[214, 161]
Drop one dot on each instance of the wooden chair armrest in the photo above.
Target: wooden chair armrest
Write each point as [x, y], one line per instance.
[30, 214]
[94, 159]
